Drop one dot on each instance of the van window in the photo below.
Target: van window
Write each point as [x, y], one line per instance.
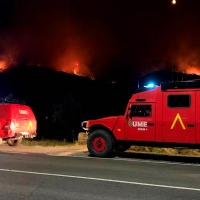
[179, 101]
[141, 111]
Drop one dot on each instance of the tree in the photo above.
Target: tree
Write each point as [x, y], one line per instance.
[67, 116]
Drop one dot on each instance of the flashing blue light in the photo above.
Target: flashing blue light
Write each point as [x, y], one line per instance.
[150, 85]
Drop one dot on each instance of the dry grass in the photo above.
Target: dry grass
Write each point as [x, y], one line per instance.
[46, 143]
[168, 151]
[82, 138]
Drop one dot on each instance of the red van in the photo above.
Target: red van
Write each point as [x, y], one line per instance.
[17, 121]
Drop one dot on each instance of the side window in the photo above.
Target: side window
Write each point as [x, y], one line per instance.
[179, 101]
[141, 111]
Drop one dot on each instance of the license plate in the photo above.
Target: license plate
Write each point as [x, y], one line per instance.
[24, 133]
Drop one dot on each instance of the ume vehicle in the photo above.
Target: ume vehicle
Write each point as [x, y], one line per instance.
[17, 121]
[163, 116]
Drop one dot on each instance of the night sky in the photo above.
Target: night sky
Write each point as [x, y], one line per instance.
[101, 37]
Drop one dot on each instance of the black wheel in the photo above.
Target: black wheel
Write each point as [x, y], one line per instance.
[14, 142]
[122, 147]
[100, 143]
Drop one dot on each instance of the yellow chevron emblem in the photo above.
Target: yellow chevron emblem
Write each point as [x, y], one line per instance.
[30, 125]
[178, 117]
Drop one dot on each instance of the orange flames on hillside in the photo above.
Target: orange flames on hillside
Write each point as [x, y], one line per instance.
[68, 67]
[72, 66]
[188, 62]
[193, 70]
[75, 68]
[78, 71]
[2, 65]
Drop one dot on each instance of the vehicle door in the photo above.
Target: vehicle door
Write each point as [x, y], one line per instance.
[179, 117]
[140, 122]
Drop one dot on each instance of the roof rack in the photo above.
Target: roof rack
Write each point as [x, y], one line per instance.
[181, 85]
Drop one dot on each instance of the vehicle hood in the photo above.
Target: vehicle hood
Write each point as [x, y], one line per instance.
[108, 122]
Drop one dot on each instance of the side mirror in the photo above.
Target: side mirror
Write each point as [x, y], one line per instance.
[128, 115]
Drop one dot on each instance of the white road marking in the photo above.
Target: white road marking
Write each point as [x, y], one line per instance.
[101, 179]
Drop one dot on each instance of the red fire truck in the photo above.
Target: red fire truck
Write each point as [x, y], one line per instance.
[17, 121]
[163, 116]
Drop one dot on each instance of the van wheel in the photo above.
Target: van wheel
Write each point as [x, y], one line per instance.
[14, 142]
[100, 143]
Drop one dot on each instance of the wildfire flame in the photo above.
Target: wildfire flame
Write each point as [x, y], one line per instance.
[82, 71]
[188, 61]
[75, 72]
[193, 70]
[2, 65]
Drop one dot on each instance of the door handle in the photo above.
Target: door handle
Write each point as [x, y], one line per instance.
[190, 125]
[150, 124]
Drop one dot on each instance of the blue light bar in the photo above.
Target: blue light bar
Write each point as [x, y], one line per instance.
[150, 85]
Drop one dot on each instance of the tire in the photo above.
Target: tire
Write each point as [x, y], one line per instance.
[14, 142]
[100, 143]
[122, 147]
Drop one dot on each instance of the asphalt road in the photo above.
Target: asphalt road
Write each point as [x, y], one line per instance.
[38, 176]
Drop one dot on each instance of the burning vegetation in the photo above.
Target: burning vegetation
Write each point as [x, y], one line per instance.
[193, 70]
[2, 65]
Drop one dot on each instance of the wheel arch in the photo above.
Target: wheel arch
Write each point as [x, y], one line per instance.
[99, 126]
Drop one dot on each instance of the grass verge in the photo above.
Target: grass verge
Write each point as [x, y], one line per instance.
[168, 151]
[48, 143]
[82, 138]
